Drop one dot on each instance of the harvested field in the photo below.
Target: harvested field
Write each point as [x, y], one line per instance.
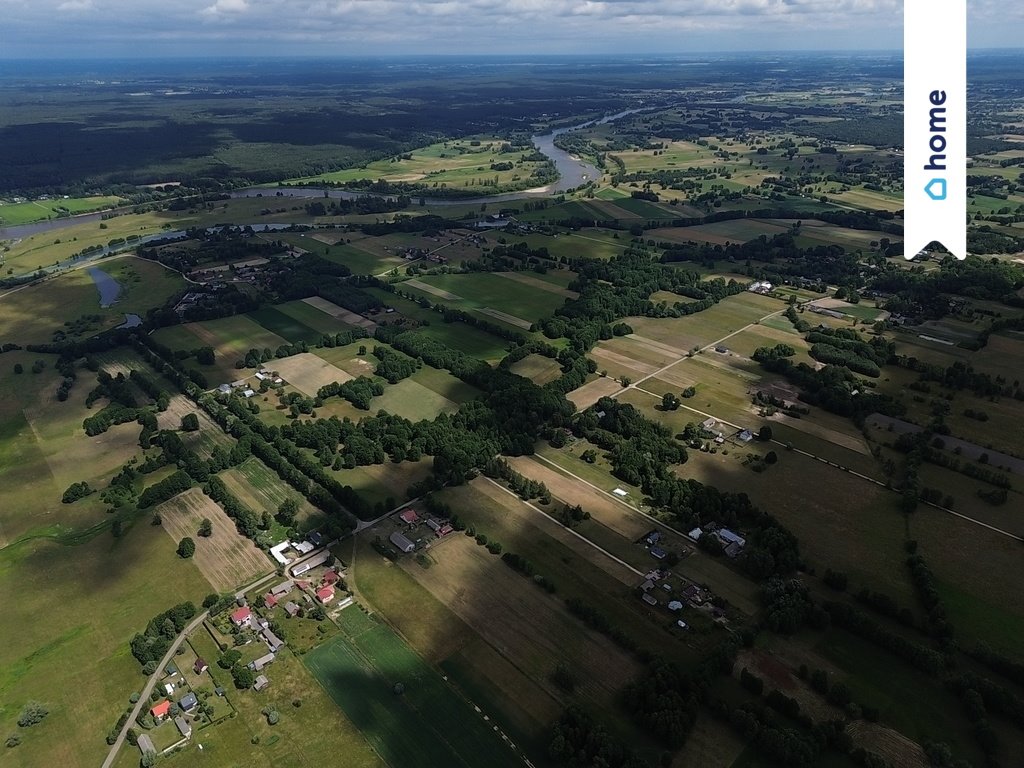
[535, 282]
[308, 372]
[657, 346]
[618, 365]
[585, 396]
[340, 313]
[433, 290]
[529, 627]
[610, 513]
[892, 745]
[506, 318]
[227, 559]
[538, 368]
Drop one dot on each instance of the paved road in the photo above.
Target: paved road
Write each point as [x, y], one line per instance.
[148, 689]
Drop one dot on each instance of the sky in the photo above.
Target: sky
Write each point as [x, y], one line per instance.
[169, 28]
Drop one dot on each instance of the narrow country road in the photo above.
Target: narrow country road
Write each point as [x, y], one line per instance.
[148, 689]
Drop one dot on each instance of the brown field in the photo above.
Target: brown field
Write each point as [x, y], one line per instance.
[505, 317]
[540, 285]
[711, 744]
[227, 559]
[585, 396]
[537, 368]
[307, 372]
[896, 748]
[340, 313]
[523, 623]
[618, 365]
[622, 519]
[434, 290]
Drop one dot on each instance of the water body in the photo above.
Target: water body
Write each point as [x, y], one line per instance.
[572, 172]
[22, 231]
[131, 321]
[108, 287]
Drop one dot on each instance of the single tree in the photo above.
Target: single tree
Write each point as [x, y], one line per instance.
[190, 423]
[205, 528]
[186, 548]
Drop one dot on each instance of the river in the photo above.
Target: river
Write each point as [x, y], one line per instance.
[572, 172]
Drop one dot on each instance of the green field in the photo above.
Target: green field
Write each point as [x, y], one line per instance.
[12, 214]
[428, 725]
[286, 323]
[482, 290]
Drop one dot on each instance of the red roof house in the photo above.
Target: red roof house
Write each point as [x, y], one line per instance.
[325, 594]
[409, 516]
[270, 600]
[161, 710]
[241, 617]
[330, 577]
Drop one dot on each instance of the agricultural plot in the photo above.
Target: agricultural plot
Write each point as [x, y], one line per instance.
[208, 436]
[538, 368]
[44, 450]
[345, 316]
[709, 327]
[316, 733]
[866, 519]
[427, 725]
[587, 394]
[259, 488]
[78, 606]
[385, 484]
[287, 325]
[512, 301]
[230, 337]
[13, 214]
[226, 558]
[592, 244]
[308, 372]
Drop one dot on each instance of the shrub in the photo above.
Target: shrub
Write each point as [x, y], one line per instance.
[33, 712]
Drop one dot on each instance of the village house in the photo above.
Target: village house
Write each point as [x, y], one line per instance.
[188, 702]
[269, 600]
[161, 710]
[146, 744]
[200, 666]
[330, 577]
[260, 683]
[409, 516]
[292, 609]
[242, 617]
[261, 662]
[184, 728]
[274, 643]
[325, 594]
[283, 588]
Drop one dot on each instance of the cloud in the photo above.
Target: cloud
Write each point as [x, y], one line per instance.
[45, 28]
[75, 6]
[226, 8]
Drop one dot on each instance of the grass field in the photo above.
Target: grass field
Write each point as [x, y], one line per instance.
[226, 558]
[77, 609]
[308, 372]
[12, 214]
[230, 337]
[315, 734]
[259, 487]
[538, 368]
[32, 314]
[480, 291]
[43, 449]
[427, 725]
[379, 483]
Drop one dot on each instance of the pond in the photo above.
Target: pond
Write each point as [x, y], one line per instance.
[108, 287]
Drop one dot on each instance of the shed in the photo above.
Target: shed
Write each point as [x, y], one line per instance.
[675, 605]
[146, 744]
[274, 643]
[401, 541]
[292, 609]
[184, 728]
[695, 534]
[261, 662]
[219, 691]
[658, 552]
[621, 493]
[283, 588]
[315, 537]
[731, 538]
[200, 666]
[649, 598]
[653, 537]
[261, 683]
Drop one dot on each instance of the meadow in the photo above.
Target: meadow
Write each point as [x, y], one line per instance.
[13, 214]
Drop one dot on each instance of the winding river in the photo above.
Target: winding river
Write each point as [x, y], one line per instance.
[572, 172]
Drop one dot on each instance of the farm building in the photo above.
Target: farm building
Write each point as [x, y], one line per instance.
[313, 562]
[146, 744]
[402, 542]
[200, 666]
[183, 727]
[658, 552]
[283, 588]
[648, 598]
[409, 516]
[675, 605]
[315, 538]
[292, 609]
[242, 617]
[330, 577]
[692, 593]
[274, 643]
[325, 594]
[261, 683]
[261, 662]
[188, 702]
[728, 537]
[620, 492]
[269, 600]
[653, 537]
[303, 547]
[695, 534]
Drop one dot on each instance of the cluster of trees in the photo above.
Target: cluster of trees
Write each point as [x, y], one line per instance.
[393, 366]
[76, 491]
[579, 742]
[849, 618]
[525, 567]
[165, 489]
[248, 523]
[359, 391]
[149, 646]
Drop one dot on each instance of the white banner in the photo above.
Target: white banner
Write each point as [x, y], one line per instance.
[935, 125]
